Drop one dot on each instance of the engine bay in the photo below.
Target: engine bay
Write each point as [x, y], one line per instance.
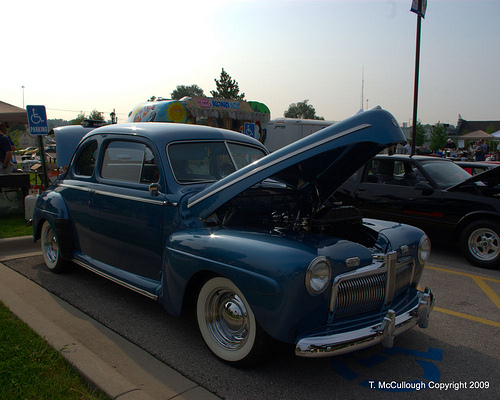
[278, 208]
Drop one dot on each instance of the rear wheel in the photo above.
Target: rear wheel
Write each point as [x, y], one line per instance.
[228, 324]
[50, 249]
[480, 242]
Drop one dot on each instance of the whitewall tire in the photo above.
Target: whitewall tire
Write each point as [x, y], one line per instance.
[50, 248]
[227, 323]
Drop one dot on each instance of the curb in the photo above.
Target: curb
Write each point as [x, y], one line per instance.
[16, 247]
[116, 366]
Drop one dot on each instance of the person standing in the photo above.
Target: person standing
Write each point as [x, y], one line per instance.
[408, 147]
[480, 151]
[5, 151]
[450, 144]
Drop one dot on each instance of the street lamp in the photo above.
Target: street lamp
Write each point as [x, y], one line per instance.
[418, 7]
[113, 117]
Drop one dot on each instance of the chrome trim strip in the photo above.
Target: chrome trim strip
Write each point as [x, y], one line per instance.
[127, 197]
[117, 195]
[391, 325]
[277, 161]
[391, 278]
[84, 189]
[115, 280]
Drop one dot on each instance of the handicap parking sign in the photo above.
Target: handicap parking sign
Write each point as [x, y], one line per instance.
[249, 129]
[37, 120]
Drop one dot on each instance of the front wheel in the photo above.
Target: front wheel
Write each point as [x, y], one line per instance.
[480, 242]
[227, 323]
[50, 249]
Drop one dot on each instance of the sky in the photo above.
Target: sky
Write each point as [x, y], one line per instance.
[74, 56]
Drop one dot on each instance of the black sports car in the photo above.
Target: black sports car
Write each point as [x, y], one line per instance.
[436, 195]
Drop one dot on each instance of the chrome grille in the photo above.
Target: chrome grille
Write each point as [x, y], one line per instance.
[371, 287]
[359, 295]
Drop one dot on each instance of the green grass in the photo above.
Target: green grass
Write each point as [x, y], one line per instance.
[14, 226]
[31, 369]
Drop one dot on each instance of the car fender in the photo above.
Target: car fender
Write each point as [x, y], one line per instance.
[474, 216]
[49, 206]
[268, 269]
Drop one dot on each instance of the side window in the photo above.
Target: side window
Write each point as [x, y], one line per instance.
[130, 162]
[86, 160]
[390, 172]
[371, 175]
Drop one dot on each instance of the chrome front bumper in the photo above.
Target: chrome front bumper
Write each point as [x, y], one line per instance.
[383, 332]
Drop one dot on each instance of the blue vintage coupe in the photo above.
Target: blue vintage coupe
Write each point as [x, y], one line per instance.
[179, 212]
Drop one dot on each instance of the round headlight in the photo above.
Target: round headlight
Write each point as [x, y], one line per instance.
[424, 249]
[318, 275]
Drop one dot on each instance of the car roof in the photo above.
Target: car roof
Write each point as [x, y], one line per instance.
[163, 133]
[415, 157]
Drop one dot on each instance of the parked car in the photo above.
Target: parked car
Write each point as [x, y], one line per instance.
[436, 195]
[186, 212]
[476, 167]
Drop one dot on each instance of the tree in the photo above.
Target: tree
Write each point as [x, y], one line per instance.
[96, 115]
[438, 136]
[227, 88]
[183, 90]
[421, 136]
[490, 129]
[301, 110]
[78, 120]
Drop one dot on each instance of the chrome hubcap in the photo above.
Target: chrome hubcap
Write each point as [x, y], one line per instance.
[484, 244]
[227, 319]
[51, 247]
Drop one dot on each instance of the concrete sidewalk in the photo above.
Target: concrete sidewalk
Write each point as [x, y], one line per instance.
[119, 368]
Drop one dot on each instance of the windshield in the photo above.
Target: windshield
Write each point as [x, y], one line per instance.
[445, 174]
[196, 162]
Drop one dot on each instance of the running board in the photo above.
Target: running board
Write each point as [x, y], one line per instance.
[115, 279]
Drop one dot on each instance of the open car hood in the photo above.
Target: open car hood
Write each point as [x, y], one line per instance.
[490, 178]
[325, 159]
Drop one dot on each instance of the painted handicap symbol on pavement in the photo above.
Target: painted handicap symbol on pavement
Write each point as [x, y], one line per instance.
[424, 359]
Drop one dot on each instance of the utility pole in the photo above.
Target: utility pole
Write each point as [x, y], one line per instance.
[362, 89]
[418, 7]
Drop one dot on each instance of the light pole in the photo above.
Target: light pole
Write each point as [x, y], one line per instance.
[22, 87]
[418, 7]
[113, 117]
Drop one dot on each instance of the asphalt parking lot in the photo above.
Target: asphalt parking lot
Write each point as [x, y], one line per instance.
[456, 357]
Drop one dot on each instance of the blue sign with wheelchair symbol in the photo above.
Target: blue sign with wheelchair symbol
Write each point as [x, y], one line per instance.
[249, 129]
[37, 120]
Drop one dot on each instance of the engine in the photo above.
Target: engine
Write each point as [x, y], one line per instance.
[283, 209]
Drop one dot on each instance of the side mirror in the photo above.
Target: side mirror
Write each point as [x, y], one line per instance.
[154, 189]
[424, 187]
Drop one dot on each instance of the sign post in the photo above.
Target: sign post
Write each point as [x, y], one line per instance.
[419, 7]
[37, 123]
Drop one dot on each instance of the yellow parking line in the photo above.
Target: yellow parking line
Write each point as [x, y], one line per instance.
[486, 289]
[463, 273]
[469, 317]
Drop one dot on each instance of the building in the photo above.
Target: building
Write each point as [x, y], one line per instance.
[464, 126]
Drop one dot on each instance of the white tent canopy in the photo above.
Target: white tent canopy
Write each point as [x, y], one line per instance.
[496, 134]
[477, 135]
